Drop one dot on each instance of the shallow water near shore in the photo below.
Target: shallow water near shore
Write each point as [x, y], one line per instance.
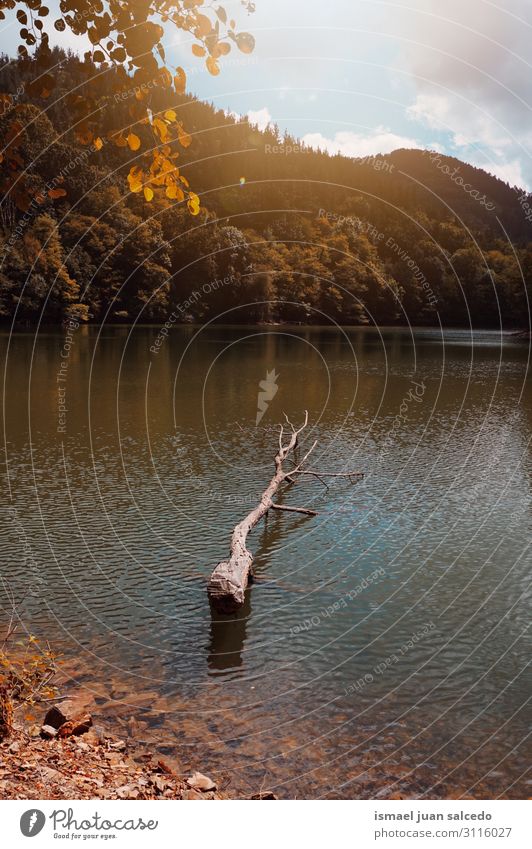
[382, 649]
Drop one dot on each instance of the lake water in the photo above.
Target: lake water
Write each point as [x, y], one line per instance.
[382, 650]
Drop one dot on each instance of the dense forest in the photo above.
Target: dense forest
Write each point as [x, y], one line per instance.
[284, 233]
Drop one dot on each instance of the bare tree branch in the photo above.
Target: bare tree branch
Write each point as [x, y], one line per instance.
[229, 580]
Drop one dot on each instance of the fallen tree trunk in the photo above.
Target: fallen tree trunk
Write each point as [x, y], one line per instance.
[229, 580]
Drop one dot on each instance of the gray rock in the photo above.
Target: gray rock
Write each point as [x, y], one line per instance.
[48, 732]
[198, 781]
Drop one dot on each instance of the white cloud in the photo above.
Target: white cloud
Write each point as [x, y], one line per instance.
[380, 140]
[471, 63]
[261, 117]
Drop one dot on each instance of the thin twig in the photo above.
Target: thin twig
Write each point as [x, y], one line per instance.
[295, 509]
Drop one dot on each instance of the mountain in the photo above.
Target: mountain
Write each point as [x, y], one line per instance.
[285, 233]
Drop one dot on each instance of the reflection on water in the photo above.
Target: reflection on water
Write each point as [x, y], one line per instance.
[382, 649]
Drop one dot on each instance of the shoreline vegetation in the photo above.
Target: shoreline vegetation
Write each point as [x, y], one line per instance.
[515, 332]
[295, 235]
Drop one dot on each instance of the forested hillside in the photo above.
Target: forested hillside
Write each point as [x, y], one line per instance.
[284, 233]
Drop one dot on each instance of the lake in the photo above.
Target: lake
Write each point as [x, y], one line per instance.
[382, 650]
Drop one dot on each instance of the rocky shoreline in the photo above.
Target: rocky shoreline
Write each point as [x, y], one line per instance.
[70, 757]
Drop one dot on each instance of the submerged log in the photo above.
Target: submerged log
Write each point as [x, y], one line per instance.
[230, 578]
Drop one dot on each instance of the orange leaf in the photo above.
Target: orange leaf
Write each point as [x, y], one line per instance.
[203, 27]
[212, 66]
[198, 50]
[133, 141]
[175, 193]
[56, 193]
[148, 194]
[180, 80]
[161, 129]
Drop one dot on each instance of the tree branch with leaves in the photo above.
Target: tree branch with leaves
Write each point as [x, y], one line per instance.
[126, 45]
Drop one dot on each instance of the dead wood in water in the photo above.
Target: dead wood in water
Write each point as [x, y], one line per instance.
[230, 578]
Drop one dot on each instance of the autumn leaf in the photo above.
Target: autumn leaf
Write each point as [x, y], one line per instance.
[170, 115]
[135, 179]
[161, 129]
[174, 192]
[198, 50]
[56, 193]
[193, 203]
[203, 26]
[180, 81]
[245, 42]
[133, 141]
[212, 66]
[98, 143]
[148, 194]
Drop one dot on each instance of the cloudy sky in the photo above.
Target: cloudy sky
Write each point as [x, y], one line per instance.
[369, 76]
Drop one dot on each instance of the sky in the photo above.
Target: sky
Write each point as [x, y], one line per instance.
[365, 77]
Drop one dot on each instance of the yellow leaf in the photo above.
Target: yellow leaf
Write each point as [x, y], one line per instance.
[161, 129]
[198, 50]
[133, 141]
[193, 203]
[212, 66]
[148, 194]
[180, 80]
[175, 193]
[170, 115]
[98, 143]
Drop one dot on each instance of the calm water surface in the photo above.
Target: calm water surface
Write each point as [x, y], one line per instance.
[382, 650]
